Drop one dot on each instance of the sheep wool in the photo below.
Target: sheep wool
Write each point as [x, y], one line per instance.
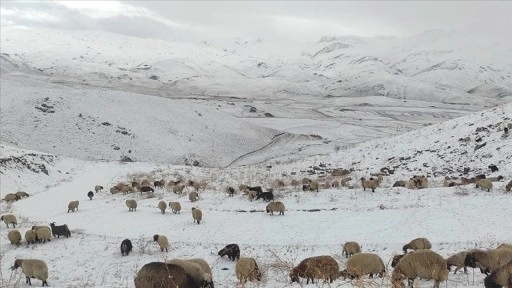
[162, 206]
[9, 219]
[365, 263]
[197, 215]
[33, 268]
[14, 237]
[158, 274]
[424, 264]
[175, 207]
[246, 269]
[350, 248]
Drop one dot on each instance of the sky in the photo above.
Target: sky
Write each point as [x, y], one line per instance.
[286, 20]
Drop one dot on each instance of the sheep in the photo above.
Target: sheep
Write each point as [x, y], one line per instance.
[193, 196]
[9, 219]
[496, 179]
[484, 184]
[136, 185]
[203, 264]
[98, 188]
[275, 207]
[196, 186]
[21, 194]
[457, 260]
[295, 183]
[131, 204]
[90, 195]
[322, 267]
[158, 274]
[158, 184]
[126, 247]
[396, 259]
[422, 182]
[201, 278]
[178, 189]
[416, 244]
[502, 277]
[410, 184]
[493, 168]
[242, 187]
[231, 191]
[162, 242]
[162, 206]
[32, 268]
[14, 237]
[488, 260]
[127, 189]
[350, 248]
[197, 215]
[344, 180]
[257, 189]
[61, 230]
[335, 184]
[30, 237]
[377, 179]
[313, 185]
[114, 190]
[327, 185]
[368, 184]
[306, 181]
[175, 207]
[251, 195]
[279, 184]
[11, 197]
[266, 196]
[365, 263]
[246, 269]
[425, 264]
[146, 189]
[509, 125]
[399, 183]
[231, 250]
[43, 234]
[508, 188]
[73, 205]
[504, 246]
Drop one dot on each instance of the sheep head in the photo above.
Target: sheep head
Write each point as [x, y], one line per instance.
[295, 274]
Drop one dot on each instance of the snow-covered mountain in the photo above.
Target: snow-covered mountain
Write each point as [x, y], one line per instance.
[223, 102]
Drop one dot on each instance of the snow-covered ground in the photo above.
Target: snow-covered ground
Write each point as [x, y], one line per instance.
[453, 218]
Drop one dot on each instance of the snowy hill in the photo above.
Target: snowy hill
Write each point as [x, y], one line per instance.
[313, 224]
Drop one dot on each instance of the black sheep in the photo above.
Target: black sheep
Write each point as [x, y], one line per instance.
[257, 189]
[61, 230]
[126, 247]
[232, 251]
[267, 196]
[90, 195]
[146, 189]
[493, 168]
[231, 191]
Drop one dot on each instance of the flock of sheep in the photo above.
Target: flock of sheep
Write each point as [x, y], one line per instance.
[422, 263]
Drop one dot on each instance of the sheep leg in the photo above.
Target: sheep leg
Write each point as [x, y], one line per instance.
[436, 284]
[465, 270]
[373, 190]
[45, 282]
[410, 282]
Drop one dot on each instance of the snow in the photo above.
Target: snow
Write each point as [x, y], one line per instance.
[70, 112]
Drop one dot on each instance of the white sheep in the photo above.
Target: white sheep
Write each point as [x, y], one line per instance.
[368, 184]
[424, 264]
[484, 184]
[30, 237]
[193, 196]
[162, 242]
[32, 268]
[43, 234]
[73, 205]
[350, 248]
[365, 263]
[98, 188]
[175, 207]
[246, 269]
[417, 244]
[9, 219]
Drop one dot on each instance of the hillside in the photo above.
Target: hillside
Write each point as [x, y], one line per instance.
[313, 224]
[235, 102]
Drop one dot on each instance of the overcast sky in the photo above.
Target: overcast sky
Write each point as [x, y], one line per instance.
[302, 20]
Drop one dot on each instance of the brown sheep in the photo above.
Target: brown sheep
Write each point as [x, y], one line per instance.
[73, 205]
[417, 244]
[275, 207]
[193, 196]
[158, 274]
[508, 188]
[246, 269]
[131, 204]
[21, 194]
[365, 263]
[424, 264]
[14, 237]
[313, 185]
[175, 207]
[502, 277]
[320, 267]
[197, 215]
[350, 248]
[162, 206]
[11, 197]
[488, 260]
